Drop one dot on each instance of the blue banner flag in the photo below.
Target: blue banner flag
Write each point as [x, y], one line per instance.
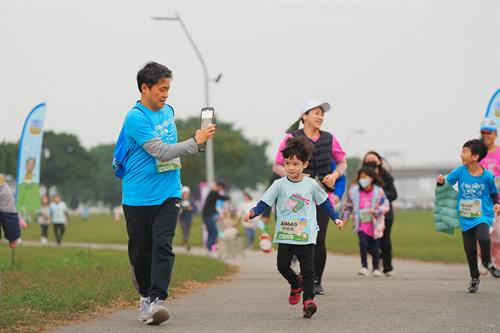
[493, 109]
[28, 163]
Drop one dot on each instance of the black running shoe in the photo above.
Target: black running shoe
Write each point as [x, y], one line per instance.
[473, 286]
[493, 269]
[318, 289]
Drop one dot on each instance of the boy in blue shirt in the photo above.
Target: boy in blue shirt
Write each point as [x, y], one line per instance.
[477, 205]
[296, 230]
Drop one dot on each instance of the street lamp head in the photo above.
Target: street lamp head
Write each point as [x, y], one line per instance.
[165, 18]
[217, 79]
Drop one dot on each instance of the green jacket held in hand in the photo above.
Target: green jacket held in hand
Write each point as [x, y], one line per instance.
[445, 209]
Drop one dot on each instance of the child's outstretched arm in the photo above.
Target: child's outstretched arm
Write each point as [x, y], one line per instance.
[256, 211]
[327, 207]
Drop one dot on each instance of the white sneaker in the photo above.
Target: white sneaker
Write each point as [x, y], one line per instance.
[363, 271]
[377, 273]
[144, 308]
[44, 240]
[158, 313]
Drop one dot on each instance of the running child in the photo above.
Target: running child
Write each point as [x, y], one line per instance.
[296, 198]
[477, 205]
[368, 204]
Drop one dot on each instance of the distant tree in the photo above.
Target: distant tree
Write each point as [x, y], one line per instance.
[8, 158]
[106, 187]
[239, 162]
[67, 166]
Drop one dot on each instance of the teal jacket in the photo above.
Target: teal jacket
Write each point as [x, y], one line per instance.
[445, 209]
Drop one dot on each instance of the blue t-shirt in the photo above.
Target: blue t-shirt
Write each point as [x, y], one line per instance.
[474, 205]
[296, 209]
[143, 184]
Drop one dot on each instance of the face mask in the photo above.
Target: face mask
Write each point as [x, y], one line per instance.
[372, 165]
[364, 183]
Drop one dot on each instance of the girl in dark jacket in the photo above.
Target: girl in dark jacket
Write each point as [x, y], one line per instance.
[374, 160]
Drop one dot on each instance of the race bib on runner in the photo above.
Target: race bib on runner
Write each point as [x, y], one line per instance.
[169, 165]
[365, 216]
[471, 208]
[297, 230]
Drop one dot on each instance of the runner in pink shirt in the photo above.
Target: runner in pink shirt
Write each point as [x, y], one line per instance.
[326, 148]
[492, 163]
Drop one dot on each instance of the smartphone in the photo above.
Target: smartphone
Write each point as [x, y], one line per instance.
[206, 119]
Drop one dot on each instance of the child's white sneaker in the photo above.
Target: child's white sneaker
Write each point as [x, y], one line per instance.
[363, 271]
[377, 273]
[144, 308]
[44, 240]
[158, 313]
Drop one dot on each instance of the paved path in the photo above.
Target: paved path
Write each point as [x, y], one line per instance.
[423, 297]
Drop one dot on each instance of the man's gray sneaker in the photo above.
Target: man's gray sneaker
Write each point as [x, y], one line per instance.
[144, 308]
[158, 313]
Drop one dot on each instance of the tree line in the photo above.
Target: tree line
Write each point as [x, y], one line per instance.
[85, 175]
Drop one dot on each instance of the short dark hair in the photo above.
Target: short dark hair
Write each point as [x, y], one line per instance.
[477, 147]
[151, 74]
[221, 184]
[299, 147]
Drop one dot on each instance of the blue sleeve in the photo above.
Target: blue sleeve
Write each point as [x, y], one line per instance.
[138, 127]
[327, 207]
[259, 209]
[452, 177]
[340, 186]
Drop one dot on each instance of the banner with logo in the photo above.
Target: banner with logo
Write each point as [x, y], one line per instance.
[493, 109]
[28, 163]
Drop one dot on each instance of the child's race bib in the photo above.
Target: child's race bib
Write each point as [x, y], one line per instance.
[365, 216]
[471, 208]
[169, 165]
[293, 230]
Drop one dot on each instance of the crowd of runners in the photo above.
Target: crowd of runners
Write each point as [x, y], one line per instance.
[308, 188]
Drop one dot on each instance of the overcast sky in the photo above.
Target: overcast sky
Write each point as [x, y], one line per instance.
[414, 76]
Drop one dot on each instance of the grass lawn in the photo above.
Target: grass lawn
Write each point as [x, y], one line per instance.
[50, 285]
[413, 236]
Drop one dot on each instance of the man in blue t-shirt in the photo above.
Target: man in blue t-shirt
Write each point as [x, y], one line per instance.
[151, 188]
[477, 205]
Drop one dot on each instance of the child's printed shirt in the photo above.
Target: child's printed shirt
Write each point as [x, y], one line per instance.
[296, 209]
[366, 219]
[475, 205]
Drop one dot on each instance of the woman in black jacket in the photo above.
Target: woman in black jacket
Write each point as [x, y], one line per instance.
[374, 160]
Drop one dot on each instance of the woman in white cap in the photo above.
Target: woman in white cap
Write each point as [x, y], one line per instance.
[492, 163]
[326, 148]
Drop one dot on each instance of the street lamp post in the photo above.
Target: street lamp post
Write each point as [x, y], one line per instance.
[209, 150]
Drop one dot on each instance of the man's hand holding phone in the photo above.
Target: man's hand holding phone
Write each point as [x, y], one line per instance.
[204, 134]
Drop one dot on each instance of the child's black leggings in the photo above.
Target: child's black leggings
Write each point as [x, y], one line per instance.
[305, 255]
[479, 234]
